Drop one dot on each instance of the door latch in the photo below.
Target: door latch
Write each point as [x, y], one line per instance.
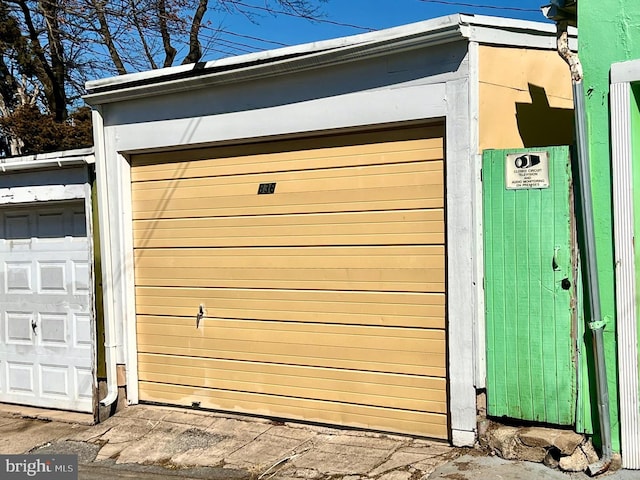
[554, 260]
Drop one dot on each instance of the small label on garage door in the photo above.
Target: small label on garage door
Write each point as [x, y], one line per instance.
[527, 170]
[266, 188]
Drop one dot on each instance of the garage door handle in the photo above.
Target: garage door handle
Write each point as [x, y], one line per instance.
[200, 315]
[34, 326]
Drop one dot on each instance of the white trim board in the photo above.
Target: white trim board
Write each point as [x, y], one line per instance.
[622, 75]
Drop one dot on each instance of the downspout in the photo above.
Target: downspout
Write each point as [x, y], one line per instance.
[107, 277]
[596, 324]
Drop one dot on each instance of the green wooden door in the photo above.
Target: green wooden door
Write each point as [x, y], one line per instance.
[530, 266]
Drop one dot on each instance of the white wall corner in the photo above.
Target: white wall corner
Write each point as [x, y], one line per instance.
[479, 349]
[460, 258]
[463, 438]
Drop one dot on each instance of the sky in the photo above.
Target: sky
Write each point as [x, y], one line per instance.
[342, 18]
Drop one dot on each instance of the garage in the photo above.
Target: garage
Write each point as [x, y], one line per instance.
[297, 233]
[298, 279]
[46, 330]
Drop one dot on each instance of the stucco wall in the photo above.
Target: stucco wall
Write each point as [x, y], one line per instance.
[609, 32]
[525, 98]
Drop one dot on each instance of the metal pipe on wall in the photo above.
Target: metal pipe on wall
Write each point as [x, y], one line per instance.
[596, 324]
[107, 280]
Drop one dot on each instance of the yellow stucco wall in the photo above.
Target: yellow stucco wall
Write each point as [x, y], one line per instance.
[525, 98]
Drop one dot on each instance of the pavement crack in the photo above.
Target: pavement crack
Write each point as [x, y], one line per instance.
[388, 457]
[90, 439]
[249, 441]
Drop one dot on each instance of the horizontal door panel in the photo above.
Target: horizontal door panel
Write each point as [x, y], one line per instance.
[364, 388]
[379, 418]
[420, 227]
[358, 308]
[292, 155]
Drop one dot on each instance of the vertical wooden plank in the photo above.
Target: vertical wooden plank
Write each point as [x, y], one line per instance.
[565, 292]
[521, 294]
[550, 250]
[494, 270]
[536, 267]
[510, 329]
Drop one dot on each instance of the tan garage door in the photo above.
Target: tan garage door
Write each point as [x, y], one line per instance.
[318, 265]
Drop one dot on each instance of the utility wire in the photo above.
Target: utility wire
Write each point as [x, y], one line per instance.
[475, 5]
[249, 37]
[307, 17]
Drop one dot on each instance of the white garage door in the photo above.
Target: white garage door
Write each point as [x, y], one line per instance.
[45, 324]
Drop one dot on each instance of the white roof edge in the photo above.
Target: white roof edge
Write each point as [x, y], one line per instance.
[301, 49]
[513, 23]
[265, 63]
[63, 158]
[625, 72]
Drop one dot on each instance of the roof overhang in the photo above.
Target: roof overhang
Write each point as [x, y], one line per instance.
[460, 27]
[66, 158]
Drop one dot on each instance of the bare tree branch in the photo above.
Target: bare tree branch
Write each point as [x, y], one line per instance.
[195, 50]
[105, 33]
[169, 50]
[143, 39]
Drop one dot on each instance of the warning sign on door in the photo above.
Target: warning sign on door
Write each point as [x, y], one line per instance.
[527, 170]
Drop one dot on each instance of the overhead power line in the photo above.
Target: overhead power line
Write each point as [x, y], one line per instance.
[475, 5]
[298, 15]
[249, 37]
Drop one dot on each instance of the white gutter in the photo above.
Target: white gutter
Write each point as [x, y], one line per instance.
[68, 158]
[105, 247]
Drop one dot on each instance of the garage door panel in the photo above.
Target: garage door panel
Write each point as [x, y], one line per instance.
[304, 382]
[190, 208]
[417, 227]
[324, 179]
[208, 203]
[302, 334]
[379, 418]
[391, 269]
[323, 300]
[361, 282]
[423, 256]
[431, 388]
[240, 160]
[357, 308]
[221, 168]
[434, 368]
[421, 357]
[359, 186]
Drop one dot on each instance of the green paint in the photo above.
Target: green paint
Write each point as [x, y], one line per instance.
[609, 33]
[101, 370]
[584, 420]
[530, 317]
